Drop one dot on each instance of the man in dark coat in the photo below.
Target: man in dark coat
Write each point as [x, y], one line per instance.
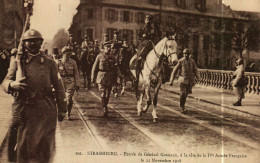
[34, 107]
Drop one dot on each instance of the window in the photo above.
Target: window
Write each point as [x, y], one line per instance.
[207, 24]
[127, 34]
[111, 15]
[89, 32]
[139, 17]
[90, 13]
[170, 20]
[206, 42]
[228, 25]
[195, 41]
[217, 41]
[110, 32]
[154, 2]
[125, 16]
[189, 3]
[217, 24]
[227, 41]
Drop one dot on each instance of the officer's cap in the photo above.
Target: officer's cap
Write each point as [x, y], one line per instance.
[105, 34]
[116, 32]
[186, 51]
[86, 36]
[149, 16]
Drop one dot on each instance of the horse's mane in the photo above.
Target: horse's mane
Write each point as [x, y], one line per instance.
[160, 45]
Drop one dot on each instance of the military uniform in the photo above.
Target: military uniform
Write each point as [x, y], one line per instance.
[35, 109]
[104, 71]
[70, 76]
[187, 73]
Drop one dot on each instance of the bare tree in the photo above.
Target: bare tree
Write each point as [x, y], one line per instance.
[60, 39]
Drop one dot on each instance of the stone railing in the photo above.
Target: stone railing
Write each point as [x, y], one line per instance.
[222, 80]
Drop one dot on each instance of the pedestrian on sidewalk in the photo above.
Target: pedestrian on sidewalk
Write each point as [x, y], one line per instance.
[188, 71]
[239, 82]
[70, 76]
[34, 107]
[103, 71]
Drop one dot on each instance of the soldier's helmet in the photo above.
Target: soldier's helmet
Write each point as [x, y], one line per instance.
[66, 49]
[186, 51]
[32, 34]
[86, 36]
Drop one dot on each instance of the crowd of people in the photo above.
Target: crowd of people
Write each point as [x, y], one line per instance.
[44, 93]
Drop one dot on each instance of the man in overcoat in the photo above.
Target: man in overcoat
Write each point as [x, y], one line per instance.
[35, 108]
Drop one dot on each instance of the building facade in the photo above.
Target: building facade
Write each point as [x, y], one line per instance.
[204, 26]
[12, 16]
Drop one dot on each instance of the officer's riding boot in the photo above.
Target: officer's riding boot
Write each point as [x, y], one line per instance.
[69, 107]
[182, 102]
[104, 106]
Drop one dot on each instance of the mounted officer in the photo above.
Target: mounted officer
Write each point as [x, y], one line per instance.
[70, 76]
[146, 35]
[85, 43]
[71, 43]
[103, 72]
[34, 107]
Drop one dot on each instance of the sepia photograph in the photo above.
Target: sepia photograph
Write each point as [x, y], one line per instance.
[129, 81]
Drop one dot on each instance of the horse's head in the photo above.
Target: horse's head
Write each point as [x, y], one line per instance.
[170, 50]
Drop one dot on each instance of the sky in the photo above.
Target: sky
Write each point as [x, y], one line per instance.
[51, 15]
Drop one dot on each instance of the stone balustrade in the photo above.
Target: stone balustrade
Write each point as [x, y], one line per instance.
[222, 80]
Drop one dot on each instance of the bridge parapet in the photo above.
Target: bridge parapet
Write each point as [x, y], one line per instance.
[221, 79]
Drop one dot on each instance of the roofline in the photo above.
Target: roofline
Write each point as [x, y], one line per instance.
[157, 10]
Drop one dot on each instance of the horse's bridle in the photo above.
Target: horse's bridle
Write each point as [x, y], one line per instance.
[165, 47]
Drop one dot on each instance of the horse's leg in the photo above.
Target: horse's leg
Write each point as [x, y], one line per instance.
[156, 91]
[140, 100]
[148, 98]
[123, 84]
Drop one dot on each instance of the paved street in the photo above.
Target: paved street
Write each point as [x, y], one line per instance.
[209, 126]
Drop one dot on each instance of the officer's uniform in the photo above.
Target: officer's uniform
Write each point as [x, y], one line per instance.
[70, 76]
[188, 72]
[34, 109]
[103, 71]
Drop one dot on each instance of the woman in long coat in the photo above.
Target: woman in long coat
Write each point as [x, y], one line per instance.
[238, 83]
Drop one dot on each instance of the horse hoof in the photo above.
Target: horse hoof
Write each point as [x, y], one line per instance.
[144, 111]
[155, 120]
[139, 114]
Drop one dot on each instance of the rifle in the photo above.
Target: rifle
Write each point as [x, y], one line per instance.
[20, 72]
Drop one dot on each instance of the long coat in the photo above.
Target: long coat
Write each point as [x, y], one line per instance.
[35, 109]
[238, 74]
[187, 71]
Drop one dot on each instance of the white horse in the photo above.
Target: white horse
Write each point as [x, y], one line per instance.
[151, 76]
